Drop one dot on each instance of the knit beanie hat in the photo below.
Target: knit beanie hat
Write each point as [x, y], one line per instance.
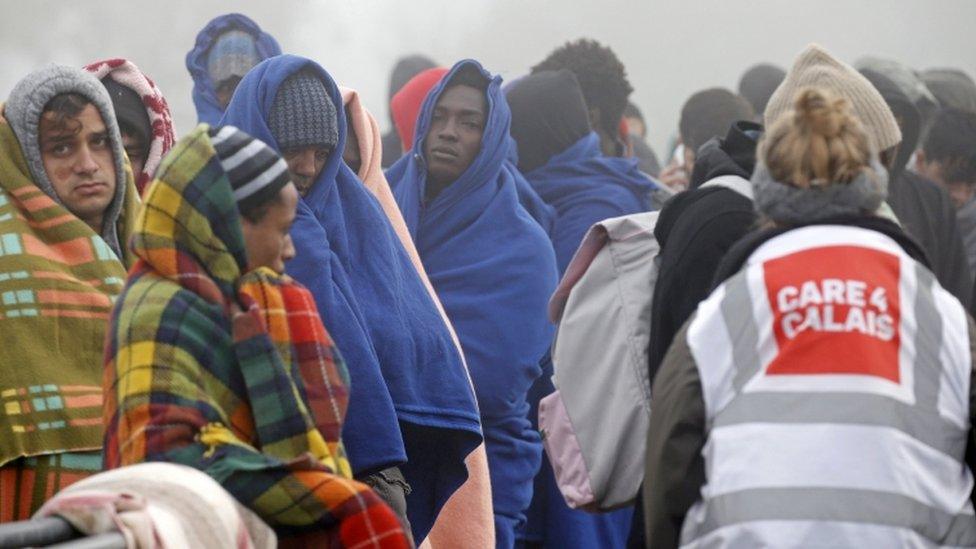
[303, 114]
[233, 54]
[255, 171]
[129, 110]
[815, 67]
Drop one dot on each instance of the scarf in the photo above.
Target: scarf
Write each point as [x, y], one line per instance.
[412, 404]
[494, 270]
[58, 280]
[204, 89]
[230, 373]
[127, 74]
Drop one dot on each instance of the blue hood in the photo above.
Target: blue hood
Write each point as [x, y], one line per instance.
[204, 93]
[402, 360]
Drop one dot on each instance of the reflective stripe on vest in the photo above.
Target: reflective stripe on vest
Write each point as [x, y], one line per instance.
[835, 374]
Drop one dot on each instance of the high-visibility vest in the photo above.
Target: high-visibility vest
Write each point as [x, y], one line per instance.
[835, 373]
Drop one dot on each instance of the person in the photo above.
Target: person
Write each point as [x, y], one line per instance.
[407, 441]
[143, 115]
[758, 83]
[924, 209]
[489, 261]
[830, 340]
[637, 138]
[560, 156]
[708, 114]
[603, 79]
[907, 81]
[225, 49]
[67, 202]
[952, 88]
[217, 361]
[403, 71]
[947, 156]
[405, 105]
[466, 518]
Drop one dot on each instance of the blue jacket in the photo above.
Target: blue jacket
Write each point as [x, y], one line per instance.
[402, 360]
[494, 270]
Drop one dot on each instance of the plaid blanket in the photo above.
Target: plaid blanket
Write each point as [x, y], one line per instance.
[58, 280]
[231, 373]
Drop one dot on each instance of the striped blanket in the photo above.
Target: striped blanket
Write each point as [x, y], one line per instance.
[58, 280]
[231, 373]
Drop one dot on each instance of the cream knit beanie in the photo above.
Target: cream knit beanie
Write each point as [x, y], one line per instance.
[816, 67]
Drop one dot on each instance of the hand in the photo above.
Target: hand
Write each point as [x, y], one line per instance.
[675, 177]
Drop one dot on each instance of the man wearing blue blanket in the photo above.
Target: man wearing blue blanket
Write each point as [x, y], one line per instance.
[492, 266]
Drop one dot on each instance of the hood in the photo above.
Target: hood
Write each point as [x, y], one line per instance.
[405, 69]
[906, 79]
[405, 105]
[204, 91]
[163, 136]
[907, 116]
[733, 155]
[23, 112]
[549, 115]
[952, 88]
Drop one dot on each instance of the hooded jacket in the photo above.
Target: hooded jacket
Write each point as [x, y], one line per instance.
[412, 405]
[23, 112]
[204, 89]
[404, 70]
[922, 207]
[494, 269]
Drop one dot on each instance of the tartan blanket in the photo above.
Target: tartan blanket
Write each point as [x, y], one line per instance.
[58, 281]
[231, 373]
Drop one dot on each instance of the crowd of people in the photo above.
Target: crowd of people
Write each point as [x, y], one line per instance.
[351, 332]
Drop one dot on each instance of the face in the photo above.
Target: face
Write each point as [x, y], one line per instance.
[305, 164]
[636, 127]
[77, 157]
[960, 192]
[225, 90]
[455, 133]
[268, 241]
[134, 149]
[350, 155]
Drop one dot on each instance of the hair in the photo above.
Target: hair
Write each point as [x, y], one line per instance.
[710, 113]
[254, 213]
[819, 143]
[601, 76]
[468, 75]
[951, 141]
[66, 107]
[631, 111]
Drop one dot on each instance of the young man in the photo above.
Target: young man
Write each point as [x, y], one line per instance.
[603, 79]
[143, 115]
[227, 47]
[948, 157]
[66, 207]
[217, 361]
[706, 115]
[369, 294]
[491, 265]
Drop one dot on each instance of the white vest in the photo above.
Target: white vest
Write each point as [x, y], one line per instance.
[835, 374]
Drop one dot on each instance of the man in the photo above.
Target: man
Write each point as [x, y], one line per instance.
[370, 295]
[143, 115]
[948, 157]
[603, 80]
[757, 85]
[491, 265]
[403, 71]
[708, 114]
[637, 129]
[405, 104]
[924, 209]
[227, 47]
[66, 208]
[217, 361]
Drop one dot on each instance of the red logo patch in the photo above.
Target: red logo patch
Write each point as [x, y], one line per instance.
[835, 311]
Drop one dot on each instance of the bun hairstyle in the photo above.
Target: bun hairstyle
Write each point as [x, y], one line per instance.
[820, 143]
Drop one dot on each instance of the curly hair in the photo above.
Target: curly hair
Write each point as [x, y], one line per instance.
[601, 76]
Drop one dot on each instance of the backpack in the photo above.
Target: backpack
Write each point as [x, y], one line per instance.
[594, 426]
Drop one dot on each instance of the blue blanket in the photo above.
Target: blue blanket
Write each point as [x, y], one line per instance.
[400, 352]
[204, 92]
[584, 187]
[494, 270]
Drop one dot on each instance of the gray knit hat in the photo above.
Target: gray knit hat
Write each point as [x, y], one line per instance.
[23, 112]
[256, 173]
[303, 114]
[816, 67]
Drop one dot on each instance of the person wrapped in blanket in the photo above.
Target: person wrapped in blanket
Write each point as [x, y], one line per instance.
[218, 361]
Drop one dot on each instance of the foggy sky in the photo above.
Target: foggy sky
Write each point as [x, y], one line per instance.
[670, 48]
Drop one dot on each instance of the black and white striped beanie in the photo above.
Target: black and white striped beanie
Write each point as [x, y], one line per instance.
[255, 171]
